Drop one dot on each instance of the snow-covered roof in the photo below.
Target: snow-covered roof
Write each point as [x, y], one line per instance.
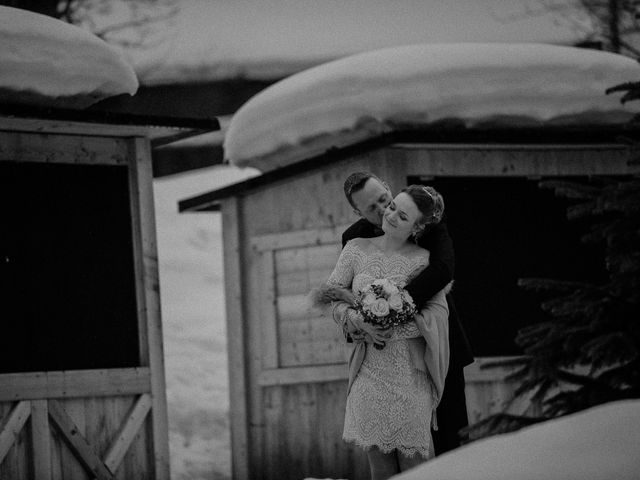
[270, 39]
[365, 95]
[45, 61]
[600, 443]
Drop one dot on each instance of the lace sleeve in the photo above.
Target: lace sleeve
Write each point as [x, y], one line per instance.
[342, 276]
[343, 273]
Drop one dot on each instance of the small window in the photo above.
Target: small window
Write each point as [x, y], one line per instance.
[504, 229]
[68, 288]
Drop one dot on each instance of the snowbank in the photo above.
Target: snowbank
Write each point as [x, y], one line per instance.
[46, 61]
[601, 443]
[364, 95]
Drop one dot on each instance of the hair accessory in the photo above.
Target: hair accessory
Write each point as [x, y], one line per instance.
[426, 190]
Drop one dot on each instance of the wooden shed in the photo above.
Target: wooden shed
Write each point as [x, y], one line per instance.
[82, 386]
[282, 233]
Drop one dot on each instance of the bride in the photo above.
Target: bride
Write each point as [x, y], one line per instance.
[393, 391]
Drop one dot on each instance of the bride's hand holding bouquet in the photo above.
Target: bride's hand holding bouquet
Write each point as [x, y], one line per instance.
[384, 304]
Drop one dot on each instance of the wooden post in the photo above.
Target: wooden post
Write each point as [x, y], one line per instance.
[142, 164]
[40, 439]
[231, 230]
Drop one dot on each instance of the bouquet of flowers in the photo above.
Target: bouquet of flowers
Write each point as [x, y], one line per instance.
[385, 304]
[382, 303]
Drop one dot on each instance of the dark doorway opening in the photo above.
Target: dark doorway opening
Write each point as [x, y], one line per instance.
[67, 276]
[504, 229]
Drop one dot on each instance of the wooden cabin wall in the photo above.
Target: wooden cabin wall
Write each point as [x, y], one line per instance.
[288, 240]
[287, 366]
[107, 423]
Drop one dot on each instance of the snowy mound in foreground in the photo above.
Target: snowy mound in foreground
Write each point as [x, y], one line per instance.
[601, 443]
[46, 61]
[364, 95]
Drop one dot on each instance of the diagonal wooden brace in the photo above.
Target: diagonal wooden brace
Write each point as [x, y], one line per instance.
[127, 433]
[11, 426]
[77, 443]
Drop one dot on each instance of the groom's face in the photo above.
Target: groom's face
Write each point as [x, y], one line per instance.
[372, 200]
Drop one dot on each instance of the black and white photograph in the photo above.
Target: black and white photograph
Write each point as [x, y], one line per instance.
[319, 239]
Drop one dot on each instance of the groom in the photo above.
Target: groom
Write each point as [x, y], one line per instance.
[369, 196]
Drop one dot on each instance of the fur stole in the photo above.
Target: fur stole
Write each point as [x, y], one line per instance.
[324, 295]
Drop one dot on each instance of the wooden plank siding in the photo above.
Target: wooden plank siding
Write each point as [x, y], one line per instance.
[513, 160]
[98, 423]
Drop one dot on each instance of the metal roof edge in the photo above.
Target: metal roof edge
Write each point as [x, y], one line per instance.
[107, 117]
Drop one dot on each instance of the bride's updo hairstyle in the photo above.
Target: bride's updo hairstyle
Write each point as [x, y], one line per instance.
[429, 202]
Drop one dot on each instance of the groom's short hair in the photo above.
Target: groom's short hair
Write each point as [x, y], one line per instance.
[355, 182]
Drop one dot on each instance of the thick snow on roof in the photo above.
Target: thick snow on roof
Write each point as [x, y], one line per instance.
[597, 444]
[364, 95]
[46, 61]
[271, 39]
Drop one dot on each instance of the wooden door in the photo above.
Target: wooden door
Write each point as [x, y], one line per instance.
[296, 364]
[100, 412]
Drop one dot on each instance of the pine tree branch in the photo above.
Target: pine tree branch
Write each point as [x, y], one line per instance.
[548, 284]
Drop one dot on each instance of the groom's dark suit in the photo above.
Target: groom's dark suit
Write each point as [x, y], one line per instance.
[452, 410]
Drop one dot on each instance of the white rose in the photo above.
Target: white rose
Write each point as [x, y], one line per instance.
[395, 302]
[380, 308]
[368, 299]
[390, 289]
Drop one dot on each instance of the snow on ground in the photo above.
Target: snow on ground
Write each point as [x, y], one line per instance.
[601, 443]
[46, 57]
[193, 316]
[376, 92]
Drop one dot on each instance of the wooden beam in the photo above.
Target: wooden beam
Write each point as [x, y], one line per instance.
[515, 160]
[138, 254]
[11, 426]
[269, 323]
[77, 443]
[41, 440]
[151, 313]
[236, 325]
[300, 238]
[82, 127]
[127, 433]
[74, 383]
[67, 149]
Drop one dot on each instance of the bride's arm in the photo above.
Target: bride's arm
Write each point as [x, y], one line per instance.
[333, 296]
[342, 311]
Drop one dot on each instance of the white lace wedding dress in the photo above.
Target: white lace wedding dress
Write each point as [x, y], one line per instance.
[390, 402]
